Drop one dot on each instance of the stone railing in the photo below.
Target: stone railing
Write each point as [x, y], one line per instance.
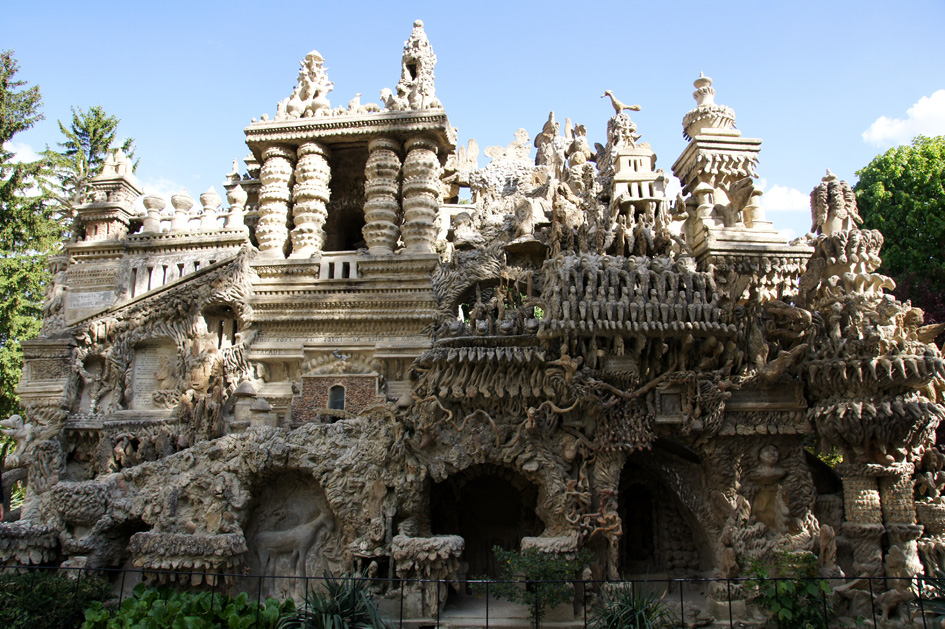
[183, 218]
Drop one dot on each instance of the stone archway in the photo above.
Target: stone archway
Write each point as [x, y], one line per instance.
[660, 533]
[487, 505]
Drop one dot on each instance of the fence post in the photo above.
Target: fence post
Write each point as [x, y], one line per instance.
[682, 605]
[487, 604]
[258, 597]
[731, 617]
[918, 579]
[75, 592]
[401, 602]
[872, 600]
[537, 617]
[121, 592]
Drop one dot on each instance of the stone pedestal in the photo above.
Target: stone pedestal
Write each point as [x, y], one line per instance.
[274, 195]
[380, 189]
[421, 195]
[310, 194]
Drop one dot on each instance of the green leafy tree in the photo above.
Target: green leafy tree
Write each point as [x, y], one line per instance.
[28, 231]
[81, 156]
[902, 194]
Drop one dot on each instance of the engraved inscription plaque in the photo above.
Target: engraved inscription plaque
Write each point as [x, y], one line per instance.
[149, 359]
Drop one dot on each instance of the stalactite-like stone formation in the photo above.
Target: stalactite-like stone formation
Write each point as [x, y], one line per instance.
[421, 195]
[381, 187]
[274, 195]
[311, 193]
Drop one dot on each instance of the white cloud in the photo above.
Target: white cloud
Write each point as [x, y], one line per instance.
[926, 117]
[784, 199]
[22, 152]
[161, 187]
[787, 234]
[673, 187]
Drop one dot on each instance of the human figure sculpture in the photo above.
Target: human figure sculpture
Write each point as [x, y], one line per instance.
[769, 505]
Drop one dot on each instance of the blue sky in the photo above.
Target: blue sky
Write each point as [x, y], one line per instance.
[824, 84]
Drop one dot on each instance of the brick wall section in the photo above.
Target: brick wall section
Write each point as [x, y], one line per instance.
[360, 393]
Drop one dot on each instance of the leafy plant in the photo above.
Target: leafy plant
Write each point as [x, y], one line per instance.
[932, 600]
[153, 608]
[345, 603]
[623, 606]
[788, 587]
[546, 576]
[46, 599]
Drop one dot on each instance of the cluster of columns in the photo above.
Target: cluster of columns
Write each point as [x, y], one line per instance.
[413, 186]
[878, 499]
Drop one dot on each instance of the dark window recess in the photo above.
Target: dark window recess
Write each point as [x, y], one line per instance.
[336, 397]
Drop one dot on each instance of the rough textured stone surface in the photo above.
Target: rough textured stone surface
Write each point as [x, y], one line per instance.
[570, 360]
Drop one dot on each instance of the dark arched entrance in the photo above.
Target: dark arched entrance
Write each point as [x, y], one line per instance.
[487, 506]
[659, 534]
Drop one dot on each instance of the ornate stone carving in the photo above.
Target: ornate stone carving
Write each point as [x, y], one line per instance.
[551, 364]
[381, 188]
[310, 195]
[421, 195]
[274, 197]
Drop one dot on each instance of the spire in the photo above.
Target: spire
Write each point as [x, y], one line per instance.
[707, 114]
[416, 74]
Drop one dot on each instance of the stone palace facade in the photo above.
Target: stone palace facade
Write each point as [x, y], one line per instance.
[347, 367]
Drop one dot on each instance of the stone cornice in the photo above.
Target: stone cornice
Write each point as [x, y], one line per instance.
[331, 130]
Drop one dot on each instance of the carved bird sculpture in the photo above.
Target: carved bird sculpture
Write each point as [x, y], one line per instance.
[619, 106]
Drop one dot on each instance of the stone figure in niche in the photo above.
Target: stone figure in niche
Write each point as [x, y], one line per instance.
[524, 221]
[770, 503]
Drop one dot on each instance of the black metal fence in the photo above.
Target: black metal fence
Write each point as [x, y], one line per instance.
[910, 607]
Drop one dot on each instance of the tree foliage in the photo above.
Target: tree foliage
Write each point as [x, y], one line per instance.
[81, 155]
[902, 194]
[28, 230]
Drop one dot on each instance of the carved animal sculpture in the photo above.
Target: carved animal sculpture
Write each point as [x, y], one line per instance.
[619, 106]
[295, 542]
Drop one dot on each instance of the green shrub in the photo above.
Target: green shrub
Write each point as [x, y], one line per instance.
[547, 579]
[623, 606]
[46, 599]
[345, 603]
[156, 608]
[788, 587]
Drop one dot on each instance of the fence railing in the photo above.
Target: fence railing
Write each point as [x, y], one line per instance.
[686, 593]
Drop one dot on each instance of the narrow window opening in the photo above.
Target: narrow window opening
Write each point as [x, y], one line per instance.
[336, 397]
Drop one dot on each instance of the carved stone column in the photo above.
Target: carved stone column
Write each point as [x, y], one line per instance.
[421, 195]
[864, 515]
[310, 194]
[380, 189]
[896, 494]
[274, 196]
